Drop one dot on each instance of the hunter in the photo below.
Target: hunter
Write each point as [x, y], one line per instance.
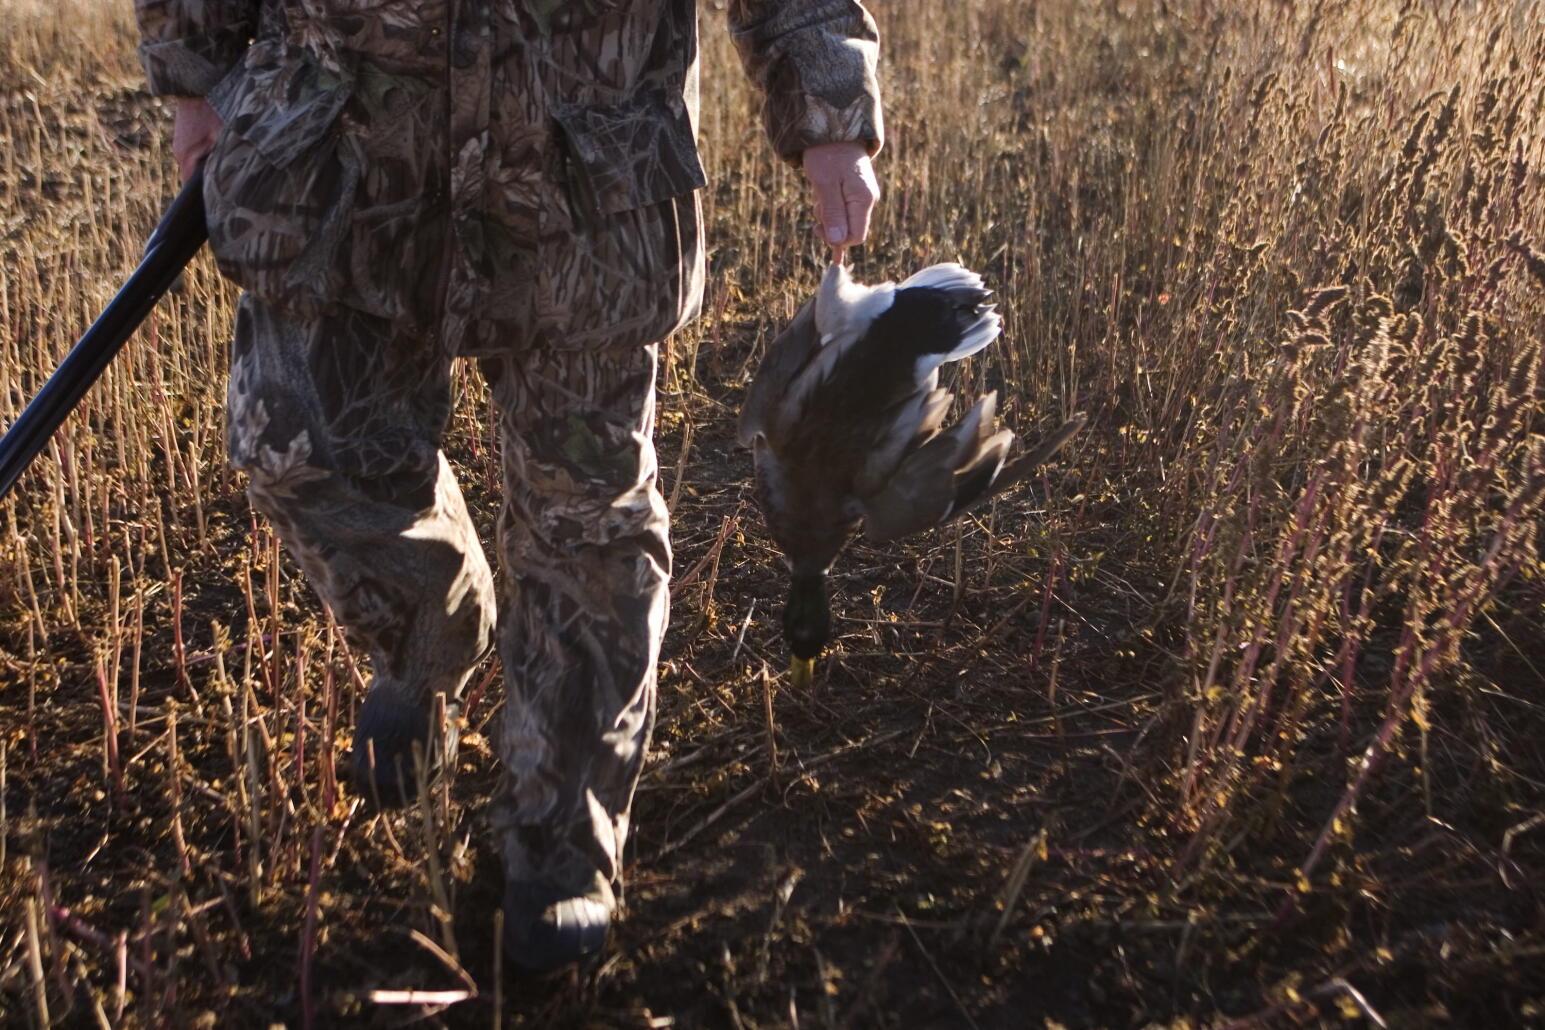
[397, 183]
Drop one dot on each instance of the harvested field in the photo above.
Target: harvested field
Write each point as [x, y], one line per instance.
[1235, 718]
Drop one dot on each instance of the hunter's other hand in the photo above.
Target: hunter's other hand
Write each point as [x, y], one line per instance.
[193, 133]
[845, 188]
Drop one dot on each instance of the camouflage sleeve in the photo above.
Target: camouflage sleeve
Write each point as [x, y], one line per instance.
[814, 61]
[186, 46]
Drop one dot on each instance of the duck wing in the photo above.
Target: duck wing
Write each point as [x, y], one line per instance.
[788, 354]
[845, 414]
[1016, 471]
[964, 464]
[922, 490]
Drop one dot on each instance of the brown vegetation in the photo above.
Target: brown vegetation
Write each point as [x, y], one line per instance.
[1235, 718]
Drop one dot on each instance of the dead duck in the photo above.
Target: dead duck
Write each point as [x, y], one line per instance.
[845, 419]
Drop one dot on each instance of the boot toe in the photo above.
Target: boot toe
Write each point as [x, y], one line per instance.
[384, 744]
[547, 928]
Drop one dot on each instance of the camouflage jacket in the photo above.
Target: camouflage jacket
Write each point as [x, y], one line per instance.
[483, 168]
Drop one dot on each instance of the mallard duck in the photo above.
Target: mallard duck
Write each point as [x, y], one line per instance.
[845, 415]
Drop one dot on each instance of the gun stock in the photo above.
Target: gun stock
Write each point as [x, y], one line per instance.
[177, 238]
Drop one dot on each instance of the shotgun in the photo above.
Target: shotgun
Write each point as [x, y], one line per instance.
[177, 238]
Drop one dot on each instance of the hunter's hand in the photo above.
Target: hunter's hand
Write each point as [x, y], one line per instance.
[845, 188]
[193, 133]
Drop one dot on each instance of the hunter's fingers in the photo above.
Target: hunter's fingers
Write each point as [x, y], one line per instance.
[194, 132]
[831, 212]
[859, 193]
[844, 190]
[192, 154]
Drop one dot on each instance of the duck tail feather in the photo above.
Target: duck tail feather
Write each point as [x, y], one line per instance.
[944, 276]
[973, 337]
[978, 335]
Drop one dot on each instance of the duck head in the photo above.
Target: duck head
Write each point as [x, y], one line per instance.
[807, 617]
[807, 625]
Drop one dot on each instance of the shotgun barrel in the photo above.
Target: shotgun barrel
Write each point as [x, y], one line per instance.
[177, 238]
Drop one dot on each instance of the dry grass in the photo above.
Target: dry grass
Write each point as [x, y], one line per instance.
[1233, 720]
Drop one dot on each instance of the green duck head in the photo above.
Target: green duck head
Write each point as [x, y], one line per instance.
[807, 618]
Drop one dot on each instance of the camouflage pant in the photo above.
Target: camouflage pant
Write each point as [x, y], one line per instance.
[338, 422]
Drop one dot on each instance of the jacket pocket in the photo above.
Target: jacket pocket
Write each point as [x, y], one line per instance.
[620, 258]
[626, 156]
[632, 280]
[559, 16]
[279, 185]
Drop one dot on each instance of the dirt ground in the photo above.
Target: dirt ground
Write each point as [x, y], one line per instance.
[942, 831]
